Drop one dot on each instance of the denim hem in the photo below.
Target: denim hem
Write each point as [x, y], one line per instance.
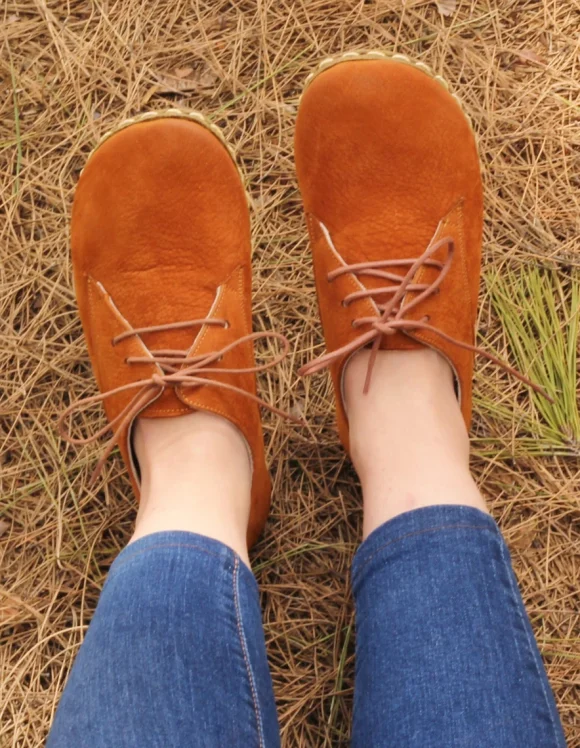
[417, 522]
[186, 540]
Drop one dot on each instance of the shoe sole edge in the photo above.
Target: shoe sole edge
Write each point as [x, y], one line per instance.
[362, 56]
[190, 116]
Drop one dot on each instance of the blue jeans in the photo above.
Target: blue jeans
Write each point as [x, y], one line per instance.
[445, 655]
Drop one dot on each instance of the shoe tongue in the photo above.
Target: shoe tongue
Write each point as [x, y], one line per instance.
[149, 304]
[378, 243]
[380, 240]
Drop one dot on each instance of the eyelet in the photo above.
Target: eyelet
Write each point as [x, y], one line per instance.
[426, 318]
[227, 325]
[344, 303]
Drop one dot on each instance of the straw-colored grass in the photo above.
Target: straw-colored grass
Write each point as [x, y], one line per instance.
[71, 69]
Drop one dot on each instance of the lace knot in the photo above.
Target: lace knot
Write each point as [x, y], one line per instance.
[194, 371]
[385, 328]
[391, 314]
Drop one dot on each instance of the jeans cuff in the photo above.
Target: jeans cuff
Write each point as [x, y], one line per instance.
[416, 522]
[171, 542]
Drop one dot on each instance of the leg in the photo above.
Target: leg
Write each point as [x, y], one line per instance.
[445, 652]
[160, 237]
[388, 170]
[175, 653]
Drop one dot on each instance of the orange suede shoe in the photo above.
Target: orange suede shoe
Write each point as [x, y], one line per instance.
[161, 253]
[389, 174]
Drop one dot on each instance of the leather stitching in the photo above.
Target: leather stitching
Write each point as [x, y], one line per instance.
[354, 282]
[95, 337]
[214, 312]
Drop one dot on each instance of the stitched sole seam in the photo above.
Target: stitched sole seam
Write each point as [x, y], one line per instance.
[330, 62]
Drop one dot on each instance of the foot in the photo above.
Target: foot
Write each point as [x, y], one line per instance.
[408, 440]
[161, 254]
[196, 475]
[389, 175]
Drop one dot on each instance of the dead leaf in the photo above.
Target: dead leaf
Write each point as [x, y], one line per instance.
[183, 72]
[36, 306]
[528, 55]
[3, 526]
[172, 84]
[446, 7]
[260, 201]
[208, 79]
[7, 613]
[202, 79]
[297, 409]
[523, 536]
[217, 24]
[151, 92]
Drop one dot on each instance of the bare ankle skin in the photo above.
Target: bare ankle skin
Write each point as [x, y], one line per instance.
[196, 476]
[408, 440]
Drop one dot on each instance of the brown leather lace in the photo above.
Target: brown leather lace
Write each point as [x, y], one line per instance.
[392, 314]
[178, 369]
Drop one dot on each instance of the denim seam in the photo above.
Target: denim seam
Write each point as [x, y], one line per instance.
[120, 563]
[364, 563]
[244, 645]
[515, 598]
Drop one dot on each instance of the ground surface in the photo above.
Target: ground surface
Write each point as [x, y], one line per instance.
[71, 69]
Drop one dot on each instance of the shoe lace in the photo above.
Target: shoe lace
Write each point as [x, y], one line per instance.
[178, 369]
[392, 314]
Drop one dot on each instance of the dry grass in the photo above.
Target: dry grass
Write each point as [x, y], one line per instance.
[69, 70]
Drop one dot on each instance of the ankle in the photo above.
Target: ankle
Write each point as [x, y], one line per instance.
[411, 402]
[419, 376]
[170, 446]
[195, 476]
[408, 440]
